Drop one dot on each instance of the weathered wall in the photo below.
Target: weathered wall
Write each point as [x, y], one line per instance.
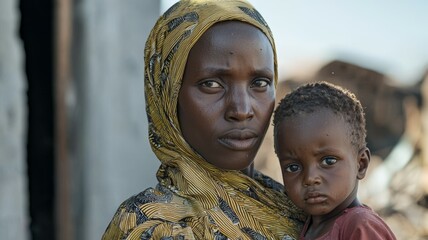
[111, 157]
[424, 137]
[13, 186]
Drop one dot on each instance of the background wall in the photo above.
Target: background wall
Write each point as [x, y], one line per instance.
[13, 177]
[109, 150]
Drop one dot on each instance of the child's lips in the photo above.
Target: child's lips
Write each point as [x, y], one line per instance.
[315, 198]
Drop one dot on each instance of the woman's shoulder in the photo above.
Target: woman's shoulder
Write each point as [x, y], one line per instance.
[129, 214]
[159, 194]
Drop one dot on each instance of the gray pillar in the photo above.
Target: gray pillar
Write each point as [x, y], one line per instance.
[13, 185]
[111, 157]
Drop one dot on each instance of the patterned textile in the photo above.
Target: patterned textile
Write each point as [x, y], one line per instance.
[194, 199]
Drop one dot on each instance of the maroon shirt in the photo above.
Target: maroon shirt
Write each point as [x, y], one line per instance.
[357, 223]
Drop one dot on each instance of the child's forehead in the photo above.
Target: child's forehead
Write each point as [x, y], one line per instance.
[317, 111]
[317, 116]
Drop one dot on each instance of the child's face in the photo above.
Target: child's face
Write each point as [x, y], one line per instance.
[319, 165]
[227, 94]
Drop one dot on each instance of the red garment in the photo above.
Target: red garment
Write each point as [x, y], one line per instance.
[357, 223]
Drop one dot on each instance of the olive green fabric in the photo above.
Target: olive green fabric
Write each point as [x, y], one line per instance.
[194, 199]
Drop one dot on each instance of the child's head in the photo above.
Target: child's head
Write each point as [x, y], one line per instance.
[319, 138]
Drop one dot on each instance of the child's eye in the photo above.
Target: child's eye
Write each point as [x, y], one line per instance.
[328, 161]
[292, 168]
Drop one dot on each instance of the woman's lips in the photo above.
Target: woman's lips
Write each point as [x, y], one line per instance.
[239, 140]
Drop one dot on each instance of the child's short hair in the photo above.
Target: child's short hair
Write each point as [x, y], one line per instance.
[313, 96]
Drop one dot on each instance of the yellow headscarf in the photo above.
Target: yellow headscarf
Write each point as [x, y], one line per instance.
[195, 199]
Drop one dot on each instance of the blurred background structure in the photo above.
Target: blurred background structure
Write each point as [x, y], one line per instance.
[73, 128]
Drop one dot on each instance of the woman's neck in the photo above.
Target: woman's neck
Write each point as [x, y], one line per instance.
[249, 171]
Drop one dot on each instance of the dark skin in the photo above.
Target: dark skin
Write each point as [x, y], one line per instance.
[320, 166]
[227, 95]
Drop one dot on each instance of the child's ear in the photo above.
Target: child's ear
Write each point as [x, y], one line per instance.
[363, 162]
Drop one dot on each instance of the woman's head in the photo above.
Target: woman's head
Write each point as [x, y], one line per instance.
[182, 47]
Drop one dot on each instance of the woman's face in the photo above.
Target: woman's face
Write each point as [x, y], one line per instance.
[227, 94]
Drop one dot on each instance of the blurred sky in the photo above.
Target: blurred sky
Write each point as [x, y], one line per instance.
[384, 35]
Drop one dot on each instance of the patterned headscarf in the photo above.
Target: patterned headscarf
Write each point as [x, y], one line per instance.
[193, 197]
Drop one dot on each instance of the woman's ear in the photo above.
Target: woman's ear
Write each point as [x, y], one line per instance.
[363, 162]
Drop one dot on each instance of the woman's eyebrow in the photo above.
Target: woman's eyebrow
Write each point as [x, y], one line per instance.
[264, 72]
[226, 70]
[216, 70]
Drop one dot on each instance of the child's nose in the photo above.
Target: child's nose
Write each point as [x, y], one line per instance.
[311, 177]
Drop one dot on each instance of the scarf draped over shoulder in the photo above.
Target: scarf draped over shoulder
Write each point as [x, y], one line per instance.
[194, 199]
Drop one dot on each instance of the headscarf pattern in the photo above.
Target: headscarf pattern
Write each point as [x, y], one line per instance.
[194, 199]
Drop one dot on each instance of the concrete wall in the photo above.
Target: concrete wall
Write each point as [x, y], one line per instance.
[111, 157]
[13, 185]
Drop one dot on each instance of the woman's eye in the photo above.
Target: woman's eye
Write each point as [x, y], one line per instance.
[211, 84]
[292, 168]
[329, 161]
[261, 83]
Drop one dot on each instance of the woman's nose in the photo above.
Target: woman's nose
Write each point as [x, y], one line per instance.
[239, 105]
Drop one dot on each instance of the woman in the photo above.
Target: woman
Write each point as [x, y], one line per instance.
[210, 76]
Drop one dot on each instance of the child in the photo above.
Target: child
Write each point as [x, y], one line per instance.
[319, 138]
